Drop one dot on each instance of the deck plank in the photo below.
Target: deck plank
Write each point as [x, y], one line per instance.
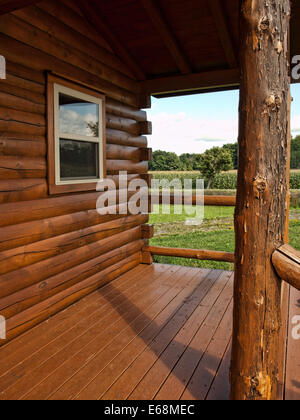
[177, 383]
[157, 332]
[138, 337]
[220, 389]
[34, 339]
[156, 351]
[43, 363]
[70, 326]
[105, 343]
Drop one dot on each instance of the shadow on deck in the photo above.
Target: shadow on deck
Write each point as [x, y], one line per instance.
[157, 332]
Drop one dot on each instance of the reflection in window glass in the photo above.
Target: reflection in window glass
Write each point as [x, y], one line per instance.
[78, 160]
[77, 116]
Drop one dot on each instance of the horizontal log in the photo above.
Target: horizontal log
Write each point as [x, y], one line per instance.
[20, 104]
[123, 124]
[148, 178]
[10, 135]
[25, 55]
[19, 92]
[12, 191]
[23, 82]
[147, 231]
[22, 31]
[191, 82]
[125, 139]
[12, 214]
[218, 200]
[39, 209]
[147, 258]
[115, 152]
[20, 127]
[14, 167]
[115, 166]
[146, 154]
[286, 261]
[26, 73]
[146, 127]
[205, 255]
[135, 154]
[20, 301]
[25, 277]
[145, 101]
[38, 313]
[121, 110]
[56, 29]
[21, 148]
[27, 233]
[11, 115]
[17, 258]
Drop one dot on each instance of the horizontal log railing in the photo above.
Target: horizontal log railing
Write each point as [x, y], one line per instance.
[209, 200]
[204, 255]
[286, 261]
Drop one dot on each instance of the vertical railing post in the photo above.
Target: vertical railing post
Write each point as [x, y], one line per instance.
[261, 211]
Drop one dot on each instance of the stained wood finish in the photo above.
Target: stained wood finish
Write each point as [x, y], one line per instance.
[260, 220]
[144, 321]
[217, 200]
[56, 249]
[190, 253]
[167, 37]
[286, 261]
[100, 25]
[156, 332]
[191, 82]
[224, 32]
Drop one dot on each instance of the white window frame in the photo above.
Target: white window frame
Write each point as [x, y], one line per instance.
[77, 137]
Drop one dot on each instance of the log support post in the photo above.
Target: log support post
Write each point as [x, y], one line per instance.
[261, 210]
[147, 233]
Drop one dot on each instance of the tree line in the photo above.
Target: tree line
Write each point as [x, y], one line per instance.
[227, 156]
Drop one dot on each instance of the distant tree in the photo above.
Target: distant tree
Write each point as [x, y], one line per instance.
[187, 162]
[234, 151]
[190, 162]
[213, 162]
[295, 153]
[165, 161]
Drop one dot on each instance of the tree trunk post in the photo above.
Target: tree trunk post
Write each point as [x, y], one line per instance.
[261, 211]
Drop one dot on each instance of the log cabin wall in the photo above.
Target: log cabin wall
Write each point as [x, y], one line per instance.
[56, 249]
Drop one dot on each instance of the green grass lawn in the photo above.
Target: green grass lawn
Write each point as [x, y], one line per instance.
[215, 233]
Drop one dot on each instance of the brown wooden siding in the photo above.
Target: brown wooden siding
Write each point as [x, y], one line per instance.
[54, 250]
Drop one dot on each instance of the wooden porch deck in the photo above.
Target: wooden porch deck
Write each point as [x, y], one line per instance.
[157, 332]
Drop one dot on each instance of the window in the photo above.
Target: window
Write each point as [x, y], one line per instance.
[76, 137]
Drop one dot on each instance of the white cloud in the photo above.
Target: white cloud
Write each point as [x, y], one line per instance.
[296, 124]
[74, 122]
[183, 134]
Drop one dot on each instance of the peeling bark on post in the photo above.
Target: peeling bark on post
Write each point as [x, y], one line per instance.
[261, 209]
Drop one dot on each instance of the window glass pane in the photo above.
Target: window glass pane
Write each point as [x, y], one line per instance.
[77, 116]
[78, 160]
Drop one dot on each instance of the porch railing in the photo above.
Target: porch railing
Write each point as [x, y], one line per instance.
[203, 254]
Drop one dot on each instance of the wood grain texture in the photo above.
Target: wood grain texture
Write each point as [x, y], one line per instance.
[53, 247]
[261, 211]
[190, 253]
[286, 261]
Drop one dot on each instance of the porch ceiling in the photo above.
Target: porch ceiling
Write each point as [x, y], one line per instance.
[172, 45]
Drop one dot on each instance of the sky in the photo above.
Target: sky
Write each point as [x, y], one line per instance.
[193, 124]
